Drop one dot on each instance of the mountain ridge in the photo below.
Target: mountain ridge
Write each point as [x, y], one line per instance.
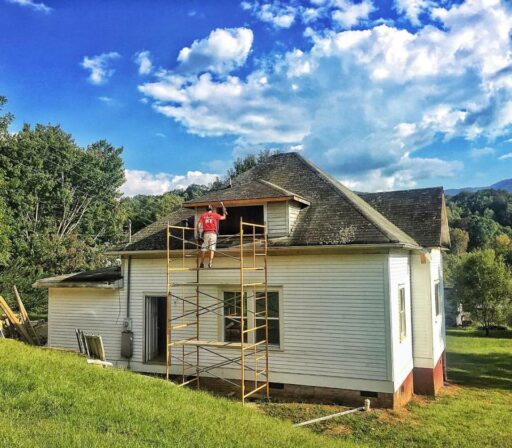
[505, 184]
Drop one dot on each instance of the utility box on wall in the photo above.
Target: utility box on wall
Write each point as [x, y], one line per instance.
[127, 344]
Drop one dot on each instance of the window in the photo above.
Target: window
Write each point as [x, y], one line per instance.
[273, 317]
[403, 316]
[437, 297]
[233, 315]
[254, 308]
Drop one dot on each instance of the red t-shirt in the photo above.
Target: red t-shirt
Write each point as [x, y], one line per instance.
[210, 221]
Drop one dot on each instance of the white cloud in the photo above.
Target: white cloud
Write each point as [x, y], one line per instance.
[476, 153]
[144, 182]
[143, 60]
[222, 51]
[276, 13]
[41, 7]
[160, 134]
[506, 156]
[412, 9]
[350, 14]
[362, 102]
[107, 100]
[99, 68]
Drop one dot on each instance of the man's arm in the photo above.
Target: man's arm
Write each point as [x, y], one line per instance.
[199, 225]
[224, 212]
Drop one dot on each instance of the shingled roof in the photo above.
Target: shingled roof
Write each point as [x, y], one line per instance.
[335, 215]
[421, 213]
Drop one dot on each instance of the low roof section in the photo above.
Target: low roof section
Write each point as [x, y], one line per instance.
[331, 214]
[104, 278]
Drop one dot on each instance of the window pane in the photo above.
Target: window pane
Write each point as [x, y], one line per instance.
[273, 331]
[232, 303]
[232, 330]
[273, 303]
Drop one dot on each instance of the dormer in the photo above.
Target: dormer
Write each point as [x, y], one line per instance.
[258, 202]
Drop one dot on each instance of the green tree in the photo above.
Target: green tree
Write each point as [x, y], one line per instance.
[482, 283]
[243, 164]
[459, 241]
[63, 204]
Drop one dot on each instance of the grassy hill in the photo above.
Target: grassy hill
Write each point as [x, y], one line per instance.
[53, 399]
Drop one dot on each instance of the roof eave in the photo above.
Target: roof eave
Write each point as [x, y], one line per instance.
[251, 201]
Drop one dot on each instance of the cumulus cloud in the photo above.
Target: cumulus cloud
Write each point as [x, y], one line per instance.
[144, 182]
[143, 60]
[476, 153]
[412, 9]
[41, 7]
[99, 67]
[276, 13]
[222, 51]
[362, 102]
[348, 14]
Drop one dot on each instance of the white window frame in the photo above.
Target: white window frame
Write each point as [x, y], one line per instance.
[251, 318]
[437, 298]
[402, 312]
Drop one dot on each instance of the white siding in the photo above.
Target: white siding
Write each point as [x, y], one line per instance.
[399, 276]
[422, 312]
[438, 323]
[293, 212]
[333, 317]
[429, 330]
[277, 219]
[96, 311]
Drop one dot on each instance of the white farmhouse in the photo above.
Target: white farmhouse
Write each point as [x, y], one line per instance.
[355, 287]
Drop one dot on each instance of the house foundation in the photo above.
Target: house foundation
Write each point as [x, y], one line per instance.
[429, 381]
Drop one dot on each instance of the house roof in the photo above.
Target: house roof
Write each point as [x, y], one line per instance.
[259, 189]
[107, 278]
[335, 215]
[420, 212]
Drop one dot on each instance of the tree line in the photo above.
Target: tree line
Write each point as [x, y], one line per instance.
[479, 264]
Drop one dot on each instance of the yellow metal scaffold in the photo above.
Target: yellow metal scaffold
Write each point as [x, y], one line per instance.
[184, 344]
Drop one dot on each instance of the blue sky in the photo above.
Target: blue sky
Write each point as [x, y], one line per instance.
[382, 94]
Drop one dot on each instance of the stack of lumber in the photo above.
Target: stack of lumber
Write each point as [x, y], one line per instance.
[17, 325]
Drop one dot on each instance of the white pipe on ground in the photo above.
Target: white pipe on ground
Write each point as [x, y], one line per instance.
[366, 407]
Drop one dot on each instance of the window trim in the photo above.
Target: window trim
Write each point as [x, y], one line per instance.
[250, 316]
[402, 314]
[437, 299]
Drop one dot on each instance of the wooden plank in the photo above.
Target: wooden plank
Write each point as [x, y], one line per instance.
[13, 319]
[25, 320]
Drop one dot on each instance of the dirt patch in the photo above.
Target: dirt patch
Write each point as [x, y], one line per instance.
[338, 430]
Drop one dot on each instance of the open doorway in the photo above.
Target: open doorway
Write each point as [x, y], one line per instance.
[154, 323]
[252, 214]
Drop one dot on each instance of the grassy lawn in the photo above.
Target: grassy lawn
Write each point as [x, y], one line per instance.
[475, 410]
[53, 399]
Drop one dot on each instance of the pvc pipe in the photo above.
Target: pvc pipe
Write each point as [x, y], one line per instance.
[366, 407]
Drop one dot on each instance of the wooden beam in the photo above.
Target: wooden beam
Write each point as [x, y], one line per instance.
[13, 319]
[25, 320]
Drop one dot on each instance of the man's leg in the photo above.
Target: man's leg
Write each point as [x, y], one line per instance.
[203, 252]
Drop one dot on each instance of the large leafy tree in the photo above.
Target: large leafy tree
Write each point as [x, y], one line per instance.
[482, 282]
[63, 204]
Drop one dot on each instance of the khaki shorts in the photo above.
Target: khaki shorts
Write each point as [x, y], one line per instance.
[209, 241]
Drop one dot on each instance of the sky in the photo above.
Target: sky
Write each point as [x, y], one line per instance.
[381, 94]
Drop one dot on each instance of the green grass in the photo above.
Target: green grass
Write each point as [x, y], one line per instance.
[54, 399]
[475, 410]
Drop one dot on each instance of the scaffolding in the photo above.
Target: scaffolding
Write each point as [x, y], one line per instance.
[185, 310]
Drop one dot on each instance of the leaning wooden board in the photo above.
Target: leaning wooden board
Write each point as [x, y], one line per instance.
[13, 319]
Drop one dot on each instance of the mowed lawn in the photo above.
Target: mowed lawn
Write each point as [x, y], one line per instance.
[475, 409]
[54, 399]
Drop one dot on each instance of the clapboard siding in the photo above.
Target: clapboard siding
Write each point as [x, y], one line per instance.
[293, 212]
[422, 312]
[438, 323]
[96, 311]
[333, 313]
[399, 276]
[277, 219]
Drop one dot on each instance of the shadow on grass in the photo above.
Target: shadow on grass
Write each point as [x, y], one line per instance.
[491, 371]
[495, 334]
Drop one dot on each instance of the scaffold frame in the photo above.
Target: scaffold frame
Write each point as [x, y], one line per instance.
[252, 351]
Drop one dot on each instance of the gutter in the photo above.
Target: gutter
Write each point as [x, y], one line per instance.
[277, 250]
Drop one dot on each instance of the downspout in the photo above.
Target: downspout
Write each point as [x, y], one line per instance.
[128, 286]
[127, 333]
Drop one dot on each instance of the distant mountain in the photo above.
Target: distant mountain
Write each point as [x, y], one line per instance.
[501, 185]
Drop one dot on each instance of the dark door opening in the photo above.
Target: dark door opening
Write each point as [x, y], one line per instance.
[155, 337]
[231, 225]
